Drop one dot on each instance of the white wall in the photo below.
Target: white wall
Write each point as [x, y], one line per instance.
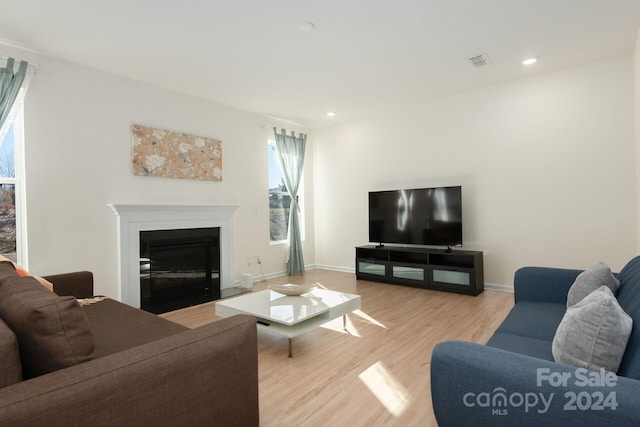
[547, 166]
[636, 114]
[78, 155]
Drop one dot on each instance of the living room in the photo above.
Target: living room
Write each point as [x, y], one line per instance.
[547, 162]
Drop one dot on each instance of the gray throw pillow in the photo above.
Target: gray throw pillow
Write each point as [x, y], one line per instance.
[593, 333]
[590, 280]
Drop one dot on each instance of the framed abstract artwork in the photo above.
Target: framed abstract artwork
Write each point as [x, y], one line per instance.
[168, 154]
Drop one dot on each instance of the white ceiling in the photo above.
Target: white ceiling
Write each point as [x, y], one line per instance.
[364, 55]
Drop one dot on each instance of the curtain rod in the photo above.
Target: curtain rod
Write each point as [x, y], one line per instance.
[34, 66]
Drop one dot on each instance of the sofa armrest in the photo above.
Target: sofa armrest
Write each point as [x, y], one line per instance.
[543, 284]
[78, 284]
[203, 376]
[472, 384]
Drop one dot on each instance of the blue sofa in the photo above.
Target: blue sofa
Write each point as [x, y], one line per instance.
[513, 380]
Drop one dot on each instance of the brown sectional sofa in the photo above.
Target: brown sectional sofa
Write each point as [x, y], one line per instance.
[116, 365]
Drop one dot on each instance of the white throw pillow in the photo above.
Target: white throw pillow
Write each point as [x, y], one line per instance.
[593, 333]
[590, 280]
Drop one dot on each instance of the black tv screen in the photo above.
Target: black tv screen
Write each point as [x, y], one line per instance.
[422, 216]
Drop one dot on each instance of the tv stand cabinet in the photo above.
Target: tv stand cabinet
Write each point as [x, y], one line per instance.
[439, 269]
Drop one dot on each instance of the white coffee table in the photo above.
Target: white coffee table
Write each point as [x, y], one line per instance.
[290, 316]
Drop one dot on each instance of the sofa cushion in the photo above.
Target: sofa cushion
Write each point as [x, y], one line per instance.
[22, 272]
[534, 347]
[10, 366]
[593, 334]
[53, 332]
[7, 270]
[590, 280]
[117, 326]
[533, 319]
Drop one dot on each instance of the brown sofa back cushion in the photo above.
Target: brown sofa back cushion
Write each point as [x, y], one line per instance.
[22, 272]
[53, 332]
[7, 270]
[10, 366]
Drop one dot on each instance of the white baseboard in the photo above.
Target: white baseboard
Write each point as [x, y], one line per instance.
[261, 277]
[501, 288]
[336, 268]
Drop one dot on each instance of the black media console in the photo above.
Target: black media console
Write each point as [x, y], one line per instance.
[445, 270]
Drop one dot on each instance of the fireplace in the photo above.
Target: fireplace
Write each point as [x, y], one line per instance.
[179, 268]
[134, 219]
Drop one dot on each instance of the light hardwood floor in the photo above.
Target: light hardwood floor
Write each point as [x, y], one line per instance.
[377, 374]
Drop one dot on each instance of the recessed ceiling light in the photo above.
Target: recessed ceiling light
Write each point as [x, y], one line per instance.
[529, 61]
[331, 114]
[307, 26]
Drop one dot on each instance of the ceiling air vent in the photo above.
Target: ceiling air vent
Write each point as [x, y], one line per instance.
[480, 60]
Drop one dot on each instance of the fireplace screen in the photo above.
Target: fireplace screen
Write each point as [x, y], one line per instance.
[179, 268]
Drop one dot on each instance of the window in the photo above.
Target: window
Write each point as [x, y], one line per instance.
[10, 190]
[12, 206]
[279, 200]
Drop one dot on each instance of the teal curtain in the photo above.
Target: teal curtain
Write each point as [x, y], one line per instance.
[10, 84]
[290, 150]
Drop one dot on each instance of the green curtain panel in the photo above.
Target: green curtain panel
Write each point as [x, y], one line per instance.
[10, 84]
[290, 150]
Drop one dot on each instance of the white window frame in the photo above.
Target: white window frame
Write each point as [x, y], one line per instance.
[16, 116]
[17, 120]
[272, 143]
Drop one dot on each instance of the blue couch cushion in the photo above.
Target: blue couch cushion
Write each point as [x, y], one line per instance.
[529, 329]
[533, 320]
[629, 299]
[528, 346]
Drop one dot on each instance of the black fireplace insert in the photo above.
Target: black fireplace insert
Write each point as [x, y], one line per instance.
[179, 268]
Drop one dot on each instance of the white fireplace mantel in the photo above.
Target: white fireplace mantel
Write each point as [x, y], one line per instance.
[134, 218]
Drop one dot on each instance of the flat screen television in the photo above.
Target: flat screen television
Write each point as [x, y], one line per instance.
[421, 216]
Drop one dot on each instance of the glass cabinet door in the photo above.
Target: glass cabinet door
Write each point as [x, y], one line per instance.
[365, 267]
[410, 273]
[462, 277]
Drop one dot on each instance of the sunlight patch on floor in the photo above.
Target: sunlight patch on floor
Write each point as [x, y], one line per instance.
[338, 325]
[392, 395]
[368, 318]
[350, 328]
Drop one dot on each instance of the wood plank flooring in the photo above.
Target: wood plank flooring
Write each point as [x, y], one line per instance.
[377, 374]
